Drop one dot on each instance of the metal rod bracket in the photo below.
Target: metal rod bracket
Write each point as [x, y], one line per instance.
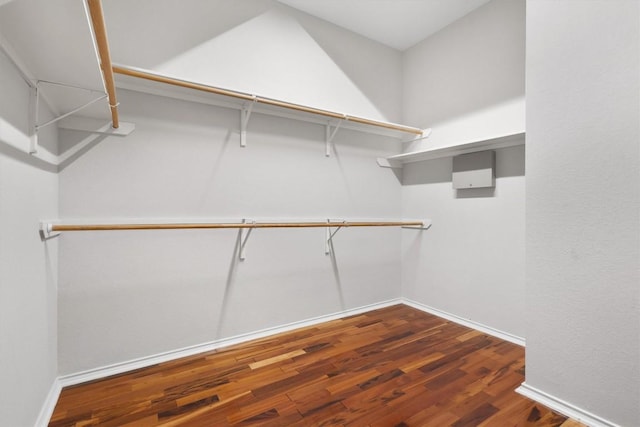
[426, 224]
[46, 231]
[329, 235]
[245, 114]
[243, 241]
[36, 107]
[330, 135]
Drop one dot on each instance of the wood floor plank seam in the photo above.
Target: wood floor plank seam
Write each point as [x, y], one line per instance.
[396, 366]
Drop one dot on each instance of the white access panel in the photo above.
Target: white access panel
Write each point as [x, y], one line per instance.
[474, 170]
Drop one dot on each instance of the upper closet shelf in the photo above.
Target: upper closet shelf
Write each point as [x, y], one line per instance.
[150, 82]
[503, 141]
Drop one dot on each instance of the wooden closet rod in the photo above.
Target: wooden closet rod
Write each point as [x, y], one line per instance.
[180, 226]
[133, 72]
[100, 32]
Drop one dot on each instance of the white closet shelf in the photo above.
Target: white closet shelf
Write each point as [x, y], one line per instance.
[503, 141]
[146, 81]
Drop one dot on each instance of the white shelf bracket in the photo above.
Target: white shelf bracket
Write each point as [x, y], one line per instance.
[391, 163]
[75, 110]
[329, 235]
[245, 114]
[243, 241]
[386, 163]
[46, 231]
[426, 224]
[330, 135]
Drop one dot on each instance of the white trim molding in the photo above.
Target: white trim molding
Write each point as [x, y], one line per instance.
[122, 367]
[466, 322]
[49, 404]
[563, 407]
[119, 368]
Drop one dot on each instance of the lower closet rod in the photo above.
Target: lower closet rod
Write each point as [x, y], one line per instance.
[107, 227]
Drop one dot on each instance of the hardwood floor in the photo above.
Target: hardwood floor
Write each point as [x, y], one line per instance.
[391, 367]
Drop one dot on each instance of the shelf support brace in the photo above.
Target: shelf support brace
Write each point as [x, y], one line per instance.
[34, 106]
[243, 241]
[329, 236]
[75, 110]
[245, 114]
[330, 135]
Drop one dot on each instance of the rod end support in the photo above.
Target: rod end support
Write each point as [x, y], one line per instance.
[46, 231]
[426, 224]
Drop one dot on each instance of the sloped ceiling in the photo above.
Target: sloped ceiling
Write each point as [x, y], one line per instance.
[399, 24]
[263, 49]
[53, 38]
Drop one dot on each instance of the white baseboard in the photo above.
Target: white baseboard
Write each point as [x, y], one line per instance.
[122, 367]
[562, 407]
[539, 396]
[119, 368]
[49, 404]
[466, 322]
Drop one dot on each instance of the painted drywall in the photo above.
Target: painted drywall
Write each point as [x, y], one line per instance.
[125, 295]
[54, 41]
[259, 47]
[583, 205]
[28, 267]
[467, 82]
[472, 263]
[128, 295]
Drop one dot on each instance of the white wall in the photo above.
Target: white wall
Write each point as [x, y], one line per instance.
[583, 205]
[471, 261]
[259, 47]
[125, 295]
[129, 295]
[28, 267]
[467, 82]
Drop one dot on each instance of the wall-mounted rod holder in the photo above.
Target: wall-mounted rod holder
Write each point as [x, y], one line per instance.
[426, 224]
[331, 134]
[47, 232]
[245, 115]
[243, 241]
[328, 242]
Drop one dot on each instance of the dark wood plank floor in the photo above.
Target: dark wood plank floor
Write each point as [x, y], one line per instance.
[391, 367]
